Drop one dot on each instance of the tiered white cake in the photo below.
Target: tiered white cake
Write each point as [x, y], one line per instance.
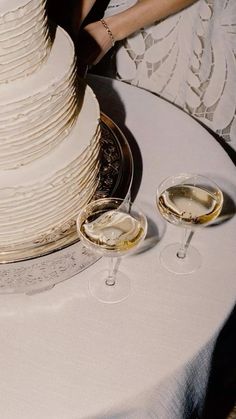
[49, 128]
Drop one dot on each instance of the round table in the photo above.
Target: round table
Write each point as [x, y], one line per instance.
[65, 355]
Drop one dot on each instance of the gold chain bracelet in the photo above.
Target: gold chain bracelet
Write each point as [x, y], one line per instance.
[112, 39]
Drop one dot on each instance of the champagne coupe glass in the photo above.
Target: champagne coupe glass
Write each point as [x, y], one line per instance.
[188, 201]
[113, 228]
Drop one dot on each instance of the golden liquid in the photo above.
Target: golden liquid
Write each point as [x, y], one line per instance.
[188, 204]
[115, 237]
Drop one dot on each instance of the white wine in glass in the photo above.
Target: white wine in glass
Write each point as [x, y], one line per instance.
[113, 228]
[188, 201]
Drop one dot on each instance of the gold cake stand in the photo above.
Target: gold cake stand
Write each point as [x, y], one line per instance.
[32, 269]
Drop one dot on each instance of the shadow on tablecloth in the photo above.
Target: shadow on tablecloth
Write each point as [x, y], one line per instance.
[111, 104]
[221, 389]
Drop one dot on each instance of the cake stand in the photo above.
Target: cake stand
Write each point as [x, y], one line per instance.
[39, 267]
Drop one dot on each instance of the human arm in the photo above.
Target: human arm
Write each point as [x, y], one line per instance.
[80, 12]
[144, 13]
[94, 40]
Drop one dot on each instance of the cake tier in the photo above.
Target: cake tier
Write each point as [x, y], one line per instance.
[37, 112]
[24, 40]
[44, 197]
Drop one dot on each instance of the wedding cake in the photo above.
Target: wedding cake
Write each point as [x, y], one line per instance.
[49, 128]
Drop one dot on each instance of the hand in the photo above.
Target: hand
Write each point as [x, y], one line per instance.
[92, 43]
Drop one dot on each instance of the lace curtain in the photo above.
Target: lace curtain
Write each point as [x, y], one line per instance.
[189, 59]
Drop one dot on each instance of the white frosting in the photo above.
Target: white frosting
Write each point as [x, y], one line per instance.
[24, 40]
[47, 193]
[9, 6]
[49, 138]
[37, 111]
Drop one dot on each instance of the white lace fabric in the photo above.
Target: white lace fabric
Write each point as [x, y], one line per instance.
[189, 59]
[117, 6]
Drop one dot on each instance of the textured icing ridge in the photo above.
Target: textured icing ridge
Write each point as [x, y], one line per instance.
[24, 40]
[40, 207]
[49, 129]
[38, 112]
[45, 195]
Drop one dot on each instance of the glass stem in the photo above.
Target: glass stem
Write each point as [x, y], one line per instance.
[186, 238]
[111, 279]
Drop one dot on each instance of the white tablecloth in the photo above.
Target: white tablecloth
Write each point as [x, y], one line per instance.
[64, 355]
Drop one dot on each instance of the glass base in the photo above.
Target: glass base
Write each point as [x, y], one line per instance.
[109, 293]
[189, 264]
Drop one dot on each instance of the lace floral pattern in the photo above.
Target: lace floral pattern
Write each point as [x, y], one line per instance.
[189, 59]
[117, 6]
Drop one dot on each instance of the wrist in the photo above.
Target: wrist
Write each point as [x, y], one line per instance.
[125, 23]
[116, 27]
[108, 31]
